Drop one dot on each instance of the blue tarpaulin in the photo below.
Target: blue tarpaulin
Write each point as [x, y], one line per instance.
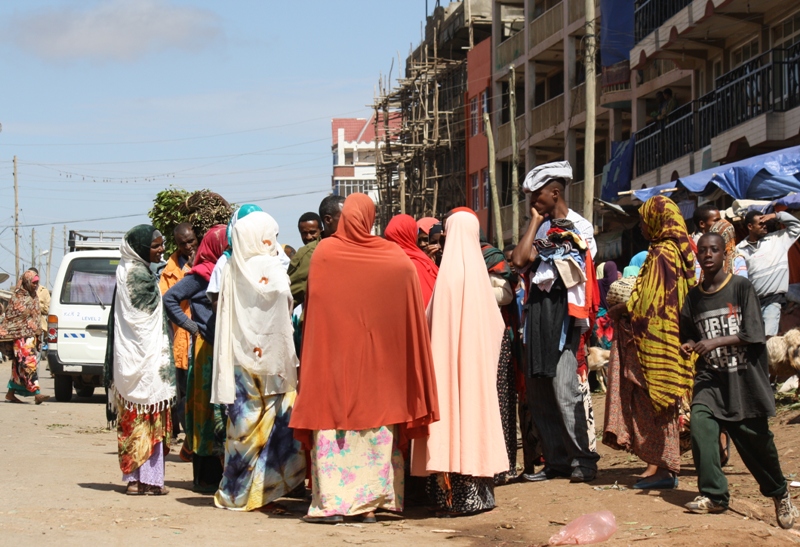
[643, 194]
[767, 176]
[618, 172]
[616, 31]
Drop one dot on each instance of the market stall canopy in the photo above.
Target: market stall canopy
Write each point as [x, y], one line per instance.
[768, 176]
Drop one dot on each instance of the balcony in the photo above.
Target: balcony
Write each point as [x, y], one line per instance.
[504, 133]
[768, 83]
[509, 50]
[546, 25]
[548, 114]
[651, 14]
[579, 96]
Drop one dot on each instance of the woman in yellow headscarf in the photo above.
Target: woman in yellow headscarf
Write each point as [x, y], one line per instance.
[647, 375]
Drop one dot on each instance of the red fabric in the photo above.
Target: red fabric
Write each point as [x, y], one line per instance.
[462, 209]
[426, 223]
[366, 347]
[403, 230]
[589, 311]
[211, 248]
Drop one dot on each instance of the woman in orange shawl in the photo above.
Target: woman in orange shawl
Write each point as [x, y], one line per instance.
[647, 375]
[403, 230]
[466, 448]
[366, 377]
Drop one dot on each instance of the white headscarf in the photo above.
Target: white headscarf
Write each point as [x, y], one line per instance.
[143, 375]
[254, 325]
[542, 174]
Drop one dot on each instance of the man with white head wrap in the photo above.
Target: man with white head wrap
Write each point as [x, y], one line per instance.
[556, 392]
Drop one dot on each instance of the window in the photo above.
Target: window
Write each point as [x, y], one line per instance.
[744, 53]
[348, 157]
[484, 108]
[787, 33]
[476, 196]
[486, 188]
[90, 281]
[473, 116]
[345, 187]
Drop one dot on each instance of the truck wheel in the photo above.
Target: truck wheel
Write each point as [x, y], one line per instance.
[63, 388]
[86, 391]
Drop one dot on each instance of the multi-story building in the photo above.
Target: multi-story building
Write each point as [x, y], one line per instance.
[353, 148]
[479, 90]
[734, 68]
[543, 40]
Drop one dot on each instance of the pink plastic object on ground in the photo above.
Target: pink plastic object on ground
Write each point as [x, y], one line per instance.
[589, 528]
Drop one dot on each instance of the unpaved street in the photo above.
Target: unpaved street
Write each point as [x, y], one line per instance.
[62, 484]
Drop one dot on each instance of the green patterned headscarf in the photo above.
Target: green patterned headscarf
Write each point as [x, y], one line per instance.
[140, 238]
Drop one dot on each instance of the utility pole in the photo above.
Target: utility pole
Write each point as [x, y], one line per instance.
[33, 247]
[16, 220]
[512, 96]
[498, 222]
[591, 91]
[50, 256]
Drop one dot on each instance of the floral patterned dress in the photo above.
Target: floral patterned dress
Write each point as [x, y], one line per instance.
[355, 472]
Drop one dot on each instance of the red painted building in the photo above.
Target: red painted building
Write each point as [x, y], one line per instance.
[479, 82]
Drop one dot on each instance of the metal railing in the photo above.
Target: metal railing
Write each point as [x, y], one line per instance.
[651, 14]
[767, 83]
[544, 26]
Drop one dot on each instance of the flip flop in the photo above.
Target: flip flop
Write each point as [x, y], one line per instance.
[333, 519]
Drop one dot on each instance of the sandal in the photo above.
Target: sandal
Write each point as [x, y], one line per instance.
[333, 519]
[369, 518]
[151, 490]
[134, 489]
[39, 399]
[11, 398]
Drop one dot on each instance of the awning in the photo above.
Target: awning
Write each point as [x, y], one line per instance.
[768, 176]
[643, 194]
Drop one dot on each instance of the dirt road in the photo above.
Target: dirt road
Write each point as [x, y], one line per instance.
[62, 483]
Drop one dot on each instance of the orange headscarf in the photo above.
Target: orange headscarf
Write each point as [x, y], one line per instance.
[403, 230]
[366, 348]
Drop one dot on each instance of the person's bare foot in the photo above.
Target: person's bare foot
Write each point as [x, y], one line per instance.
[11, 398]
[649, 472]
[39, 399]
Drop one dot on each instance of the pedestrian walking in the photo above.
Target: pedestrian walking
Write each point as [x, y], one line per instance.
[21, 330]
[205, 422]
[366, 375]
[721, 325]
[139, 368]
[255, 370]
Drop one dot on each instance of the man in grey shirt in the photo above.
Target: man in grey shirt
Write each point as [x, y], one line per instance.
[768, 263]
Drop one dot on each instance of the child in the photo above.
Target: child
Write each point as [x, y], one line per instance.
[721, 322]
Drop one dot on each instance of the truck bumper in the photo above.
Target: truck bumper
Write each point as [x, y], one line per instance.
[89, 374]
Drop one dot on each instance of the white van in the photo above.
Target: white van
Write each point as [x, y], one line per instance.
[78, 322]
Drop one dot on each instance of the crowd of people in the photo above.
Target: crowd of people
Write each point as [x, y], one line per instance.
[376, 369]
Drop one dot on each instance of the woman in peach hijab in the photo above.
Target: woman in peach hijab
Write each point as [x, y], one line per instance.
[466, 447]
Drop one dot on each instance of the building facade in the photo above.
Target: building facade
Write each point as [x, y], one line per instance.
[353, 148]
[479, 89]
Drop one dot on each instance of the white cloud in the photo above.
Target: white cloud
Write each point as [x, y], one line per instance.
[113, 30]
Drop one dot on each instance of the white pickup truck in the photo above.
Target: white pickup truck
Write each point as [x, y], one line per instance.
[77, 326]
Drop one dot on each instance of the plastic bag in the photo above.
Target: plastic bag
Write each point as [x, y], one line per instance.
[589, 528]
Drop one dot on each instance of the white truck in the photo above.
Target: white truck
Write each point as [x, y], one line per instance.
[77, 325]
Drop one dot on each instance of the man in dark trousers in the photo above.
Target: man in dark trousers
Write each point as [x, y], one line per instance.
[560, 404]
[721, 323]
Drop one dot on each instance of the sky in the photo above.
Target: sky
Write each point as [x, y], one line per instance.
[105, 103]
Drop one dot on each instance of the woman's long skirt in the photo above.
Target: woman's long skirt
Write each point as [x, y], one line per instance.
[141, 446]
[355, 472]
[461, 494]
[205, 422]
[263, 462]
[631, 422]
[507, 395]
[24, 378]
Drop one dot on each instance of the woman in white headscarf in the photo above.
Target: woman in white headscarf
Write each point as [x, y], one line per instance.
[255, 370]
[140, 371]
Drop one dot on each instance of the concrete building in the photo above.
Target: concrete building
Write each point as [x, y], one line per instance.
[353, 147]
[734, 67]
[479, 91]
[543, 40]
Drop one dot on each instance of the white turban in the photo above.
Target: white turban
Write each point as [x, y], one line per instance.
[541, 175]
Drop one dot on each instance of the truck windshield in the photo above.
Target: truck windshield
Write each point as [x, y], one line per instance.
[90, 281]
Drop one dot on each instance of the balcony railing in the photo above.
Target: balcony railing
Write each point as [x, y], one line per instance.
[544, 26]
[504, 133]
[509, 50]
[651, 14]
[768, 83]
[547, 114]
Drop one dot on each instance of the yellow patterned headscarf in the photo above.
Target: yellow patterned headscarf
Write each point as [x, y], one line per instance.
[656, 301]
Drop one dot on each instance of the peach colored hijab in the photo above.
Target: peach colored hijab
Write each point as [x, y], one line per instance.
[466, 333]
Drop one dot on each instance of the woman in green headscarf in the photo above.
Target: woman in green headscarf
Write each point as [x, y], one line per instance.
[140, 371]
